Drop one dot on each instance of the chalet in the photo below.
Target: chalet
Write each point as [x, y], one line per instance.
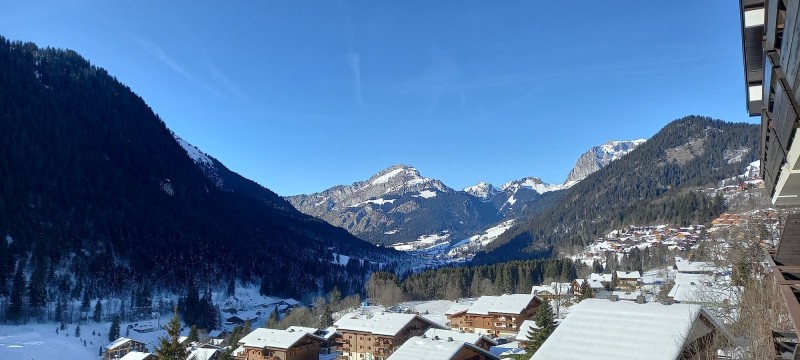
[553, 291]
[137, 355]
[378, 336]
[628, 278]
[481, 341]
[500, 315]
[272, 344]
[329, 337]
[653, 331]
[456, 315]
[421, 347]
[122, 346]
[218, 334]
[243, 317]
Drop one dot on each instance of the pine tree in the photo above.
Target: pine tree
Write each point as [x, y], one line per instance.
[113, 332]
[78, 331]
[15, 303]
[98, 312]
[169, 348]
[193, 335]
[546, 322]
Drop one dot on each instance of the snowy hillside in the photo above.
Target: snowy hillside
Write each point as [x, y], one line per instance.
[600, 156]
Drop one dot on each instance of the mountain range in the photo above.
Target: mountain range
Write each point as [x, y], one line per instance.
[398, 205]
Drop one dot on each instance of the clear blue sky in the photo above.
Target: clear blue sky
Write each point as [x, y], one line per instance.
[301, 96]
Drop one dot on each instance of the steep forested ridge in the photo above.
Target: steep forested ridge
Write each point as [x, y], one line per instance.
[95, 191]
[654, 183]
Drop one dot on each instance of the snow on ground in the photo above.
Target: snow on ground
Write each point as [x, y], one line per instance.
[426, 194]
[41, 342]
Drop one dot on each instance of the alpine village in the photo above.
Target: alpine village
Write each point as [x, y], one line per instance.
[120, 240]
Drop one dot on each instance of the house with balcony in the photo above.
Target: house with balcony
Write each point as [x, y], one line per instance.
[499, 315]
[376, 336]
[271, 344]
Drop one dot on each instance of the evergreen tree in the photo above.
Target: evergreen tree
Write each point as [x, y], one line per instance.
[78, 331]
[98, 311]
[16, 302]
[193, 334]
[546, 325]
[169, 348]
[113, 332]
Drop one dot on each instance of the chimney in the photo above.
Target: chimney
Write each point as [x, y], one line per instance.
[436, 337]
[449, 339]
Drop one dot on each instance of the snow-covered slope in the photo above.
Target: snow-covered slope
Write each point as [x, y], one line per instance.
[600, 156]
[482, 190]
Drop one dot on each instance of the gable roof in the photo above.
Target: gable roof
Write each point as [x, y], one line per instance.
[628, 275]
[598, 323]
[381, 323]
[457, 308]
[471, 338]
[504, 304]
[117, 343]
[136, 355]
[201, 354]
[420, 348]
[684, 265]
[273, 338]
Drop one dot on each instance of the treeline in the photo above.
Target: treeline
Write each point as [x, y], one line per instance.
[472, 281]
[650, 184]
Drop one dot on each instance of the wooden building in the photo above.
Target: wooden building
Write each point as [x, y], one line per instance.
[481, 341]
[272, 344]
[376, 336]
[122, 346]
[497, 315]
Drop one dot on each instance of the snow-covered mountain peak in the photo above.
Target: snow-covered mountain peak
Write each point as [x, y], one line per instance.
[482, 190]
[404, 173]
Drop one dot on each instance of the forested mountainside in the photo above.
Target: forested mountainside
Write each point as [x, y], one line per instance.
[656, 182]
[98, 197]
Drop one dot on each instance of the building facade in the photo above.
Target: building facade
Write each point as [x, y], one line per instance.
[376, 336]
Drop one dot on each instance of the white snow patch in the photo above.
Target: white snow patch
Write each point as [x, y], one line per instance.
[426, 194]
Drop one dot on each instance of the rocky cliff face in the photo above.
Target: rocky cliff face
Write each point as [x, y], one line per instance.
[599, 156]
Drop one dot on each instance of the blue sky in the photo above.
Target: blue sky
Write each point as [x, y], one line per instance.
[301, 96]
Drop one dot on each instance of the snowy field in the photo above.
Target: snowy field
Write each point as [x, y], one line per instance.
[41, 342]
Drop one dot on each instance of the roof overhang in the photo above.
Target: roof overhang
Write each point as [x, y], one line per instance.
[752, 17]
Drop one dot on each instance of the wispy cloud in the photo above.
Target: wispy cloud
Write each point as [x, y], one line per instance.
[226, 83]
[158, 53]
[353, 58]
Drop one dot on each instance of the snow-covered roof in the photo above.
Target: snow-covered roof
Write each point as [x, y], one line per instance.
[693, 266]
[507, 349]
[688, 279]
[482, 305]
[135, 355]
[524, 328]
[201, 354]
[273, 338]
[323, 333]
[457, 308]
[471, 338]
[600, 277]
[419, 348]
[703, 294]
[381, 323]
[117, 343]
[504, 304]
[628, 275]
[238, 351]
[633, 329]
